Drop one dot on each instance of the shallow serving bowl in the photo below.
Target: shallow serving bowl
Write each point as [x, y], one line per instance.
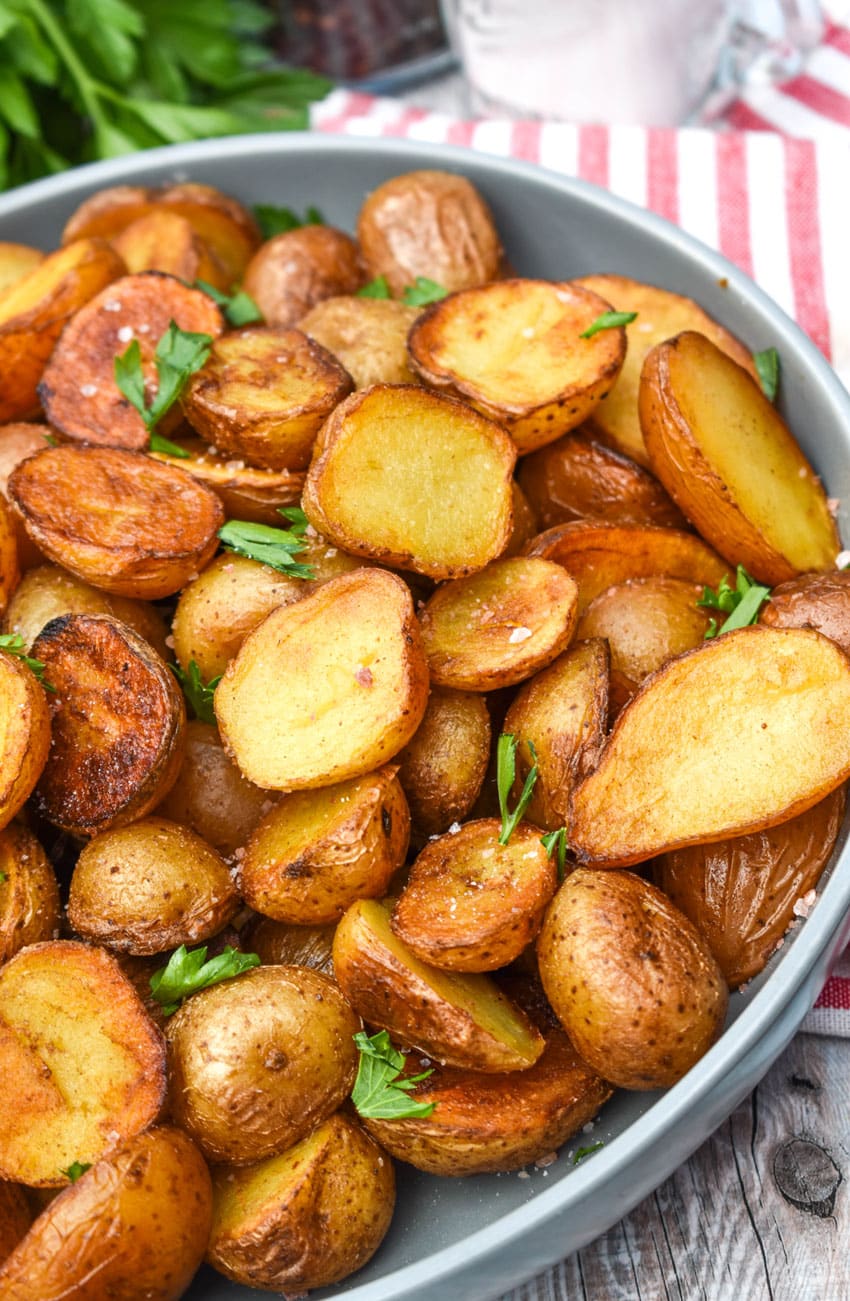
[475, 1238]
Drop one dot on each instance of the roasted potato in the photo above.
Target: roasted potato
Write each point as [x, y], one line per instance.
[17, 261]
[16, 1216]
[29, 895]
[525, 525]
[245, 491]
[165, 241]
[10, 571]
[25, 739]
[17, 442]
[367, 335]
[441, 769]
[294, 946]
[819, 601]
[292, 272]
[46, 592]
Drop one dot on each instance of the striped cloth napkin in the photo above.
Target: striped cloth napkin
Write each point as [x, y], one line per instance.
[770, 190]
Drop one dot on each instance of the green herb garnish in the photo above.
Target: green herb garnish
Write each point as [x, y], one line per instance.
[556, 841]
[166, 448]
[271, 546]
[377, 288]
[421, 293]
[379, 1092]
[198, 693]
[767, 368]
[608, 321]
[277, 221]
[740, 603]
[13, 644]
[179, 354]
[505, 774]
[3, 878]
[586, 1151]
[188, 971]
[239, 308]
[75, 1169]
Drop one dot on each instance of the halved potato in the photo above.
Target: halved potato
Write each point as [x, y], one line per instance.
[670, 776]
[245, 491]
[117, 519]
[600, 555]
[413, 480]
[165, 241]
[731, 464]
[513, 350]
[367, 335]
[15, 1214]
[78, 390]
[135, 1226]
[87, 1061]
[107, 212]
[306, 1218]
[10, 571]
[17, 261]
[24, 734]
[460, 1018]
[441, 769]
[18, 441]
[29, 896]
[328, 688]
[526, 524]
[117, 719]
[263, 394]
[293, 946]
[316, 852]
[47, 591]
[292, 272]
[499, 626]
[819, 601]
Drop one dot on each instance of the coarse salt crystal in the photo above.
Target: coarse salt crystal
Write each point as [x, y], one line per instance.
[832, 505]
[112, 305]
[125, 334]
[143, 329]
[802, 907]
[454, 828]
[520, 634]
[589, 1127]
[645, 327]
[169, 641]
[842, 560]
[548, 1159]
[523, 1174]
[528, 332]
[88, 390]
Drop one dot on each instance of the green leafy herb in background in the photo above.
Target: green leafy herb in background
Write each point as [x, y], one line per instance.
[239, 308]
[274, 547]
[380, 1092]
[740, 603]
[421, 293]
[767, 367]
[86, 79]
[188, 971]
[505, 775]
[377, 288]
[556, 841]
[179, 354]
[3, 878]
[277, 221]
[76, 1169]
[198, 693]
[13, 644]
[608, 321]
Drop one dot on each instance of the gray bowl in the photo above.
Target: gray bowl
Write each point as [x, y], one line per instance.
[470, 1239]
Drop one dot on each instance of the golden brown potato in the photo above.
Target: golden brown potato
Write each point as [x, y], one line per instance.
[460, 1018]
[117, 720]
[263, 394]
[432, 224]
[17, 261]
[87, 1061]
[414, 480]
[645, 622]
[442, 768]
[669, 776]
[117, 519]
[819, 601]
[526, 525]
[742, 894]
[107, 212]
[631, 980]
[367, 335]
[563, 713]
[730, 462]
[24, 734]
[577, 477]
[10, 571]
[328, 688]
[306, 1218]
[164, 241]
[317, 852]
[599, 555]
[245, 491]
[135, 1226]
[15, 1213]
[293, 946]
[499, 626]
[292, 272]
[660, 315]
[78, 390]
[150, 887]
[482, 1124]
[17, 442]
[255, 1063]
[34, 312]
[472, 903]
[47, 591]
[513, 350]
[29, 896]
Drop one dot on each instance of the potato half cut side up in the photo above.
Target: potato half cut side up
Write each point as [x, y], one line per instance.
[731, 464]
[328, 688]
[414, 480]
[87, 1061]
[29, 895]
[676, 771]
[24, 735]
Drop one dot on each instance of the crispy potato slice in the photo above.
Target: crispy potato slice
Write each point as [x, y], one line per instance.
[460, 1018]
[599, 555]
[317, 852]
[35, 311]
[577, 477]
[78, 390]
[257, 1062]
[118, 722]
[10, 571]
[473, 904]
[29, 895]
[499, 626]
[660, 315]
[563, 713]
[117, 519]
[164, 241]
[669, 775]
[135, 1227]
[328, 688]
[443, 767]
[17, 442]
[88, 1063]
[150, 887]
[47, 591]
[413, 480]
[264, 394]
[17, 261]
[292, 272]
[820, 601]
[245, 491]
[306, 1218]
[513, 350]
[15, 1216]
[429, 223]
[367, 335]
[742, 894]
[631, 980]
[483, 1124]
[24, 734]
[730, 462]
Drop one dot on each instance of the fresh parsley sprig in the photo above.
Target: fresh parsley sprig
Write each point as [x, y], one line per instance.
[3, 878]
[277, 221]
[238, 308]
[377, 288]
[741, 603]
[75, 1170]
[188, 971]
[556, 842]
[420, 294]
[608, 321]
[198, 693]
[380, 1092]
[271, 546]
[586, 1151]
[767, 368]
[179, 354]
[13, 644]
[506, 747]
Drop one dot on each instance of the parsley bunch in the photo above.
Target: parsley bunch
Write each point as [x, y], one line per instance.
[381, 1091]
[188, 971]
[741, 603]
[506, 747]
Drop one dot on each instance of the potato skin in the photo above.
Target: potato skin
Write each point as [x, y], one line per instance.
[25, 729]
[245, 491]
[631, 980]
[29, 895]
[443, 766]
[367, 335]
[47, 591]
[819, 601]
[15, 1217]
[288, 945]
[292, 272]
[133, 1227]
